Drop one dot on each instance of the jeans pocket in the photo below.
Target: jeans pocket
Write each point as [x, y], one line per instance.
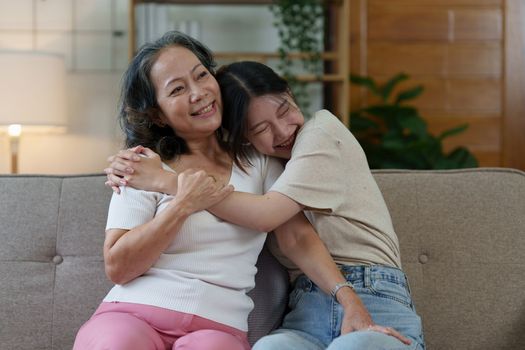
[303, 285]
[294, 297]
[397, 291]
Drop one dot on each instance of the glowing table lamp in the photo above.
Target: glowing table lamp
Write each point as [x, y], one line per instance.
[32, 96]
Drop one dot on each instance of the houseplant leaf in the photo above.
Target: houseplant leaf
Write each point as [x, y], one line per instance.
[409, 94]
[387, 88]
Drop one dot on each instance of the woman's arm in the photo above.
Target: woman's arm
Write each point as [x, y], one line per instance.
[260, 212]
[130, 253]
[300, 243]
[140, 168]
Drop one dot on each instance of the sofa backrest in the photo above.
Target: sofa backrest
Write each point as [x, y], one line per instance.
[462, 236]
[51, 267]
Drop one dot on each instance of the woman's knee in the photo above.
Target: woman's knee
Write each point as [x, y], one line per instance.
[117, 331]
[210, 339]
[284, 339]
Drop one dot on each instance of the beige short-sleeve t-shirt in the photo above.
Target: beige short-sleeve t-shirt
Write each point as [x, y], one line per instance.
[328, 173]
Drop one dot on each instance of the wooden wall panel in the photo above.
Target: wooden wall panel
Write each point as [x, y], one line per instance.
[438, 2]
[475, 59]
[456, 49]
[476, 95]
[514, 117]
[405, 23]
[482, 136]
[435, 59]
[455, 96]
[386, 58]
[476, 24]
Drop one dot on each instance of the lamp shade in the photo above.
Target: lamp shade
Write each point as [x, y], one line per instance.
[32, 90]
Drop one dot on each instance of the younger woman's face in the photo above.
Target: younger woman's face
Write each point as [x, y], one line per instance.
[272, 124]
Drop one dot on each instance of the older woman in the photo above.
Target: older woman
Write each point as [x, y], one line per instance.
[181, 274]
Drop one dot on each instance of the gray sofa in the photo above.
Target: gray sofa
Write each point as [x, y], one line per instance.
[462, 237]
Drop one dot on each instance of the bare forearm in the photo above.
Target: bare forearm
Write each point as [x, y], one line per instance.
[132, 253]
[299, 242]
[259, 212]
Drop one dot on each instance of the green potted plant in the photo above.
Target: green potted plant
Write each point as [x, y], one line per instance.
[395, 136]
[299, 24]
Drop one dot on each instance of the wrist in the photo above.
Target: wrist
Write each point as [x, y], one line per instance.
[166, 182]
[344, 293]
[181, 208]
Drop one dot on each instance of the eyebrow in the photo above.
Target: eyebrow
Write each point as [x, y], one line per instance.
[179, 78]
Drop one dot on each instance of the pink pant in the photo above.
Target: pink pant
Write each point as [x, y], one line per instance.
[128, 326]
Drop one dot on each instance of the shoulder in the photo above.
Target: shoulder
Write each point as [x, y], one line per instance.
[326, 121]
[323, 126]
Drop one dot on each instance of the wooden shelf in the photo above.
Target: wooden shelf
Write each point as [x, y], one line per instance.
[339, 58]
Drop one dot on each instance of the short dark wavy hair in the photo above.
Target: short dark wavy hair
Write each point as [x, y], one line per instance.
[138, 104]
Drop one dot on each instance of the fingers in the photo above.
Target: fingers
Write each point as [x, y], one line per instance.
[225, 190]
[148, 152]
[137, 149]
[390, 331]
[129, 154]
[120, 167]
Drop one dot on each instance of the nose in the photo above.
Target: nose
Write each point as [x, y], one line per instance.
[279, 130]
[196, 93]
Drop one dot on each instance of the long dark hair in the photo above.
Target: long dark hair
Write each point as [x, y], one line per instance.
[239, 83]
[138, 106]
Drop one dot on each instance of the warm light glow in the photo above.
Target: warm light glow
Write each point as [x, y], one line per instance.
[14, 130]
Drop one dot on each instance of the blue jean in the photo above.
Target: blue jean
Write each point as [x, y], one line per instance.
[315, 318]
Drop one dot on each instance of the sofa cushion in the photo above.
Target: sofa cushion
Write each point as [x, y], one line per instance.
[51, 264]
[462, 237]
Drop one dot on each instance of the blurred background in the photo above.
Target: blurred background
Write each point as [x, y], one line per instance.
[463, 65]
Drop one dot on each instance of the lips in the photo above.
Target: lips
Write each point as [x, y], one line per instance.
[288, 143]
[204, 111]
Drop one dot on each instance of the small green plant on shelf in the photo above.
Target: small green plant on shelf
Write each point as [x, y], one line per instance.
[299, 24]
[395, 136]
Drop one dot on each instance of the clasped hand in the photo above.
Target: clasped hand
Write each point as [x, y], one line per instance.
[141, 168]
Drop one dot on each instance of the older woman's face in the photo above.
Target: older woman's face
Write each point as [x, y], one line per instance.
[272, 124]
[188, 95]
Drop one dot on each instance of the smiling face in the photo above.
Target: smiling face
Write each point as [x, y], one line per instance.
[187, 94]
[272, 124]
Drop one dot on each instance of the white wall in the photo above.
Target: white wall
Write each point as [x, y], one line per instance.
[92, 37]
[83, 32]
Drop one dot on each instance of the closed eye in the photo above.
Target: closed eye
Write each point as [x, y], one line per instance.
[261, 129]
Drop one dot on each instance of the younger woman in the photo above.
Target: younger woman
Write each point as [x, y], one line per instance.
[327, 175]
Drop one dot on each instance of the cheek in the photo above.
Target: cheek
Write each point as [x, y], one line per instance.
[263, 144]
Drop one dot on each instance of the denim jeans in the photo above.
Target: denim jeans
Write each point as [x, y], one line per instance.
[314, 319]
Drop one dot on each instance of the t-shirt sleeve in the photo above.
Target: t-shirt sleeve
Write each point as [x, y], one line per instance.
[312, 176]
[131, 208]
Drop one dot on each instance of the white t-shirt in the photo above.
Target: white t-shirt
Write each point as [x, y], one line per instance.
[329, 174]
[210, 265]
